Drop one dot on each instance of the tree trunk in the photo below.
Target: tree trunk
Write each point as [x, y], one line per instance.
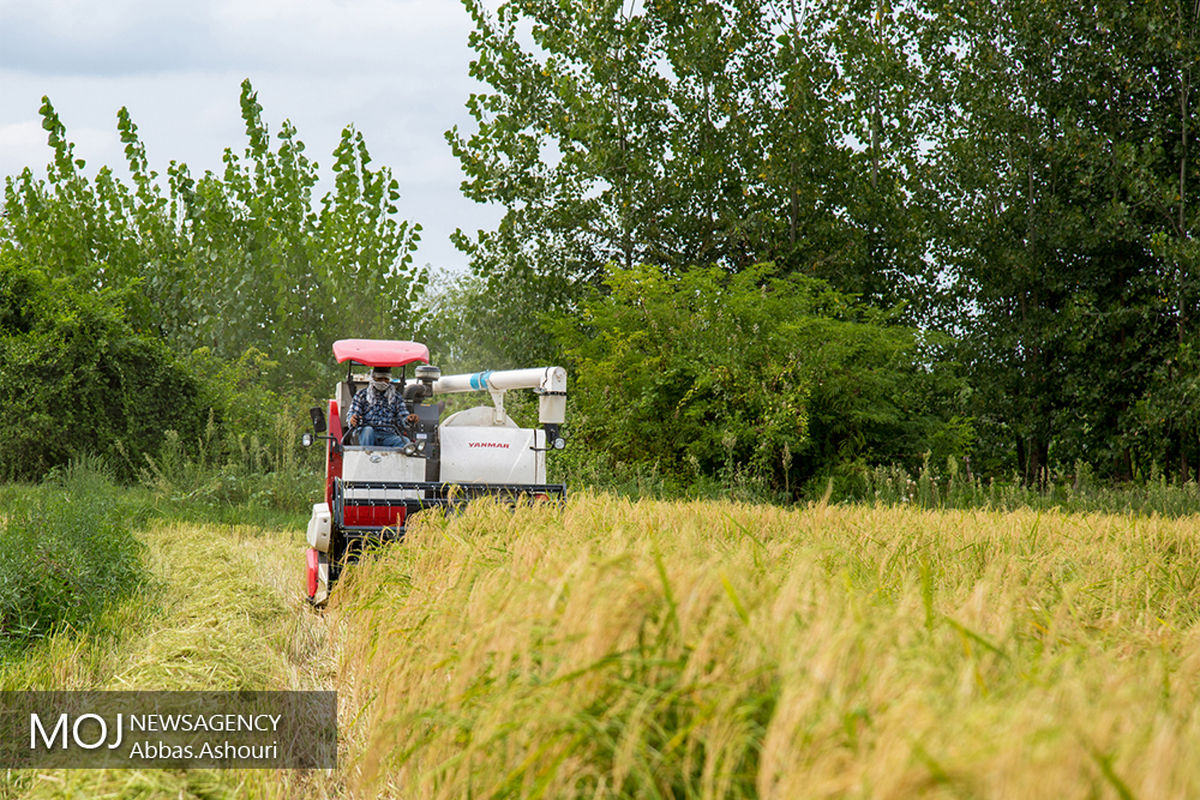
[1184, 471]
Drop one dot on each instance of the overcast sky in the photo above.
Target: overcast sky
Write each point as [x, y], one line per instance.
[396, 69]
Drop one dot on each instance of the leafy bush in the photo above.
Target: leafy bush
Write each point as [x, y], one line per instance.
[752, 379]
[77, 378]
[66, 551]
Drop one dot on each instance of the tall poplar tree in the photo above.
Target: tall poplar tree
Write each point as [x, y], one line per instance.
[243, 259]
[689, 132]
[1066, 163]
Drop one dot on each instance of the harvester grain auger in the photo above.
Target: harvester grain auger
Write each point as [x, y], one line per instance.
[371, 492]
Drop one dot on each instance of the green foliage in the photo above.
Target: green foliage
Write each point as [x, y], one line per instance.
[77, 379]
[750, 376]
[249, 459]
[66, 552]
[683, 132]
[231, 478]
[196, 312]
[478, 324]
[230, 262]
[1038, 158]
[244, 404]
[1020, 173]
[1067, 170]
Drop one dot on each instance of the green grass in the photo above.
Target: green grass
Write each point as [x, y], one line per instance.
[225, 612]
[67, 552]
[216, 604]
[69, 548]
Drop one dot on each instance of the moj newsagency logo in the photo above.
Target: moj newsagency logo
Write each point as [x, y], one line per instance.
[210, 730]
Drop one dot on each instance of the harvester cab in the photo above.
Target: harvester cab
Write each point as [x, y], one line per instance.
[371, 492]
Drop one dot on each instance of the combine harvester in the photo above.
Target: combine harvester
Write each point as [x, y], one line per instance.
[370, 493]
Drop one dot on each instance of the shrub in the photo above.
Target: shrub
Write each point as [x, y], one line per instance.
[752, 378]
[78, 379]
[66, 551]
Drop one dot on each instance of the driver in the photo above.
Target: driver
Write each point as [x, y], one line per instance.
[381, 412]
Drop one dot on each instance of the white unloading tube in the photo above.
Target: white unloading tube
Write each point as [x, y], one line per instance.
[550, 382]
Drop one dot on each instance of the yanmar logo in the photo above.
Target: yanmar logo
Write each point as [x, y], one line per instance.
[501, 445]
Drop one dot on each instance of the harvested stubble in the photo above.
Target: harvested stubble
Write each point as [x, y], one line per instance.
[658, 649]
[224, 613]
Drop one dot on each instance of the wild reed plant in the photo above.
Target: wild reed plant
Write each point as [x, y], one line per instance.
[227, 477]
[656, 649]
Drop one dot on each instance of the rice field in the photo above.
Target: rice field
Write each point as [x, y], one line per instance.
[650, 649]
[656, 649]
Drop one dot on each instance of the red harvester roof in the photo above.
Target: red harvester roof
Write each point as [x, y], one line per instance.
[379, 352]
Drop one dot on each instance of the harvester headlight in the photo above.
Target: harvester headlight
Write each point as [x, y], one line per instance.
[306, 439]
[560, 443]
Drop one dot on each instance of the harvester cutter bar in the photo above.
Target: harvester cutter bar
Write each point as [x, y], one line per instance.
[436, 493]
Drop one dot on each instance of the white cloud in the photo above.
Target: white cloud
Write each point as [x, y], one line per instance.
[132, 37]
[23, 136]
[396, 70]
[111, 38]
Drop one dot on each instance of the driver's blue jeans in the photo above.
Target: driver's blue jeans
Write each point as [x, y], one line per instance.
[367, 437]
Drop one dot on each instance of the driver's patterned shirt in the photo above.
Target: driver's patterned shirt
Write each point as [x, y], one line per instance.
[384, 417]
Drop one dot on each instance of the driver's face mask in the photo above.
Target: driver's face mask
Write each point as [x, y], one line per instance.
[381, 382]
